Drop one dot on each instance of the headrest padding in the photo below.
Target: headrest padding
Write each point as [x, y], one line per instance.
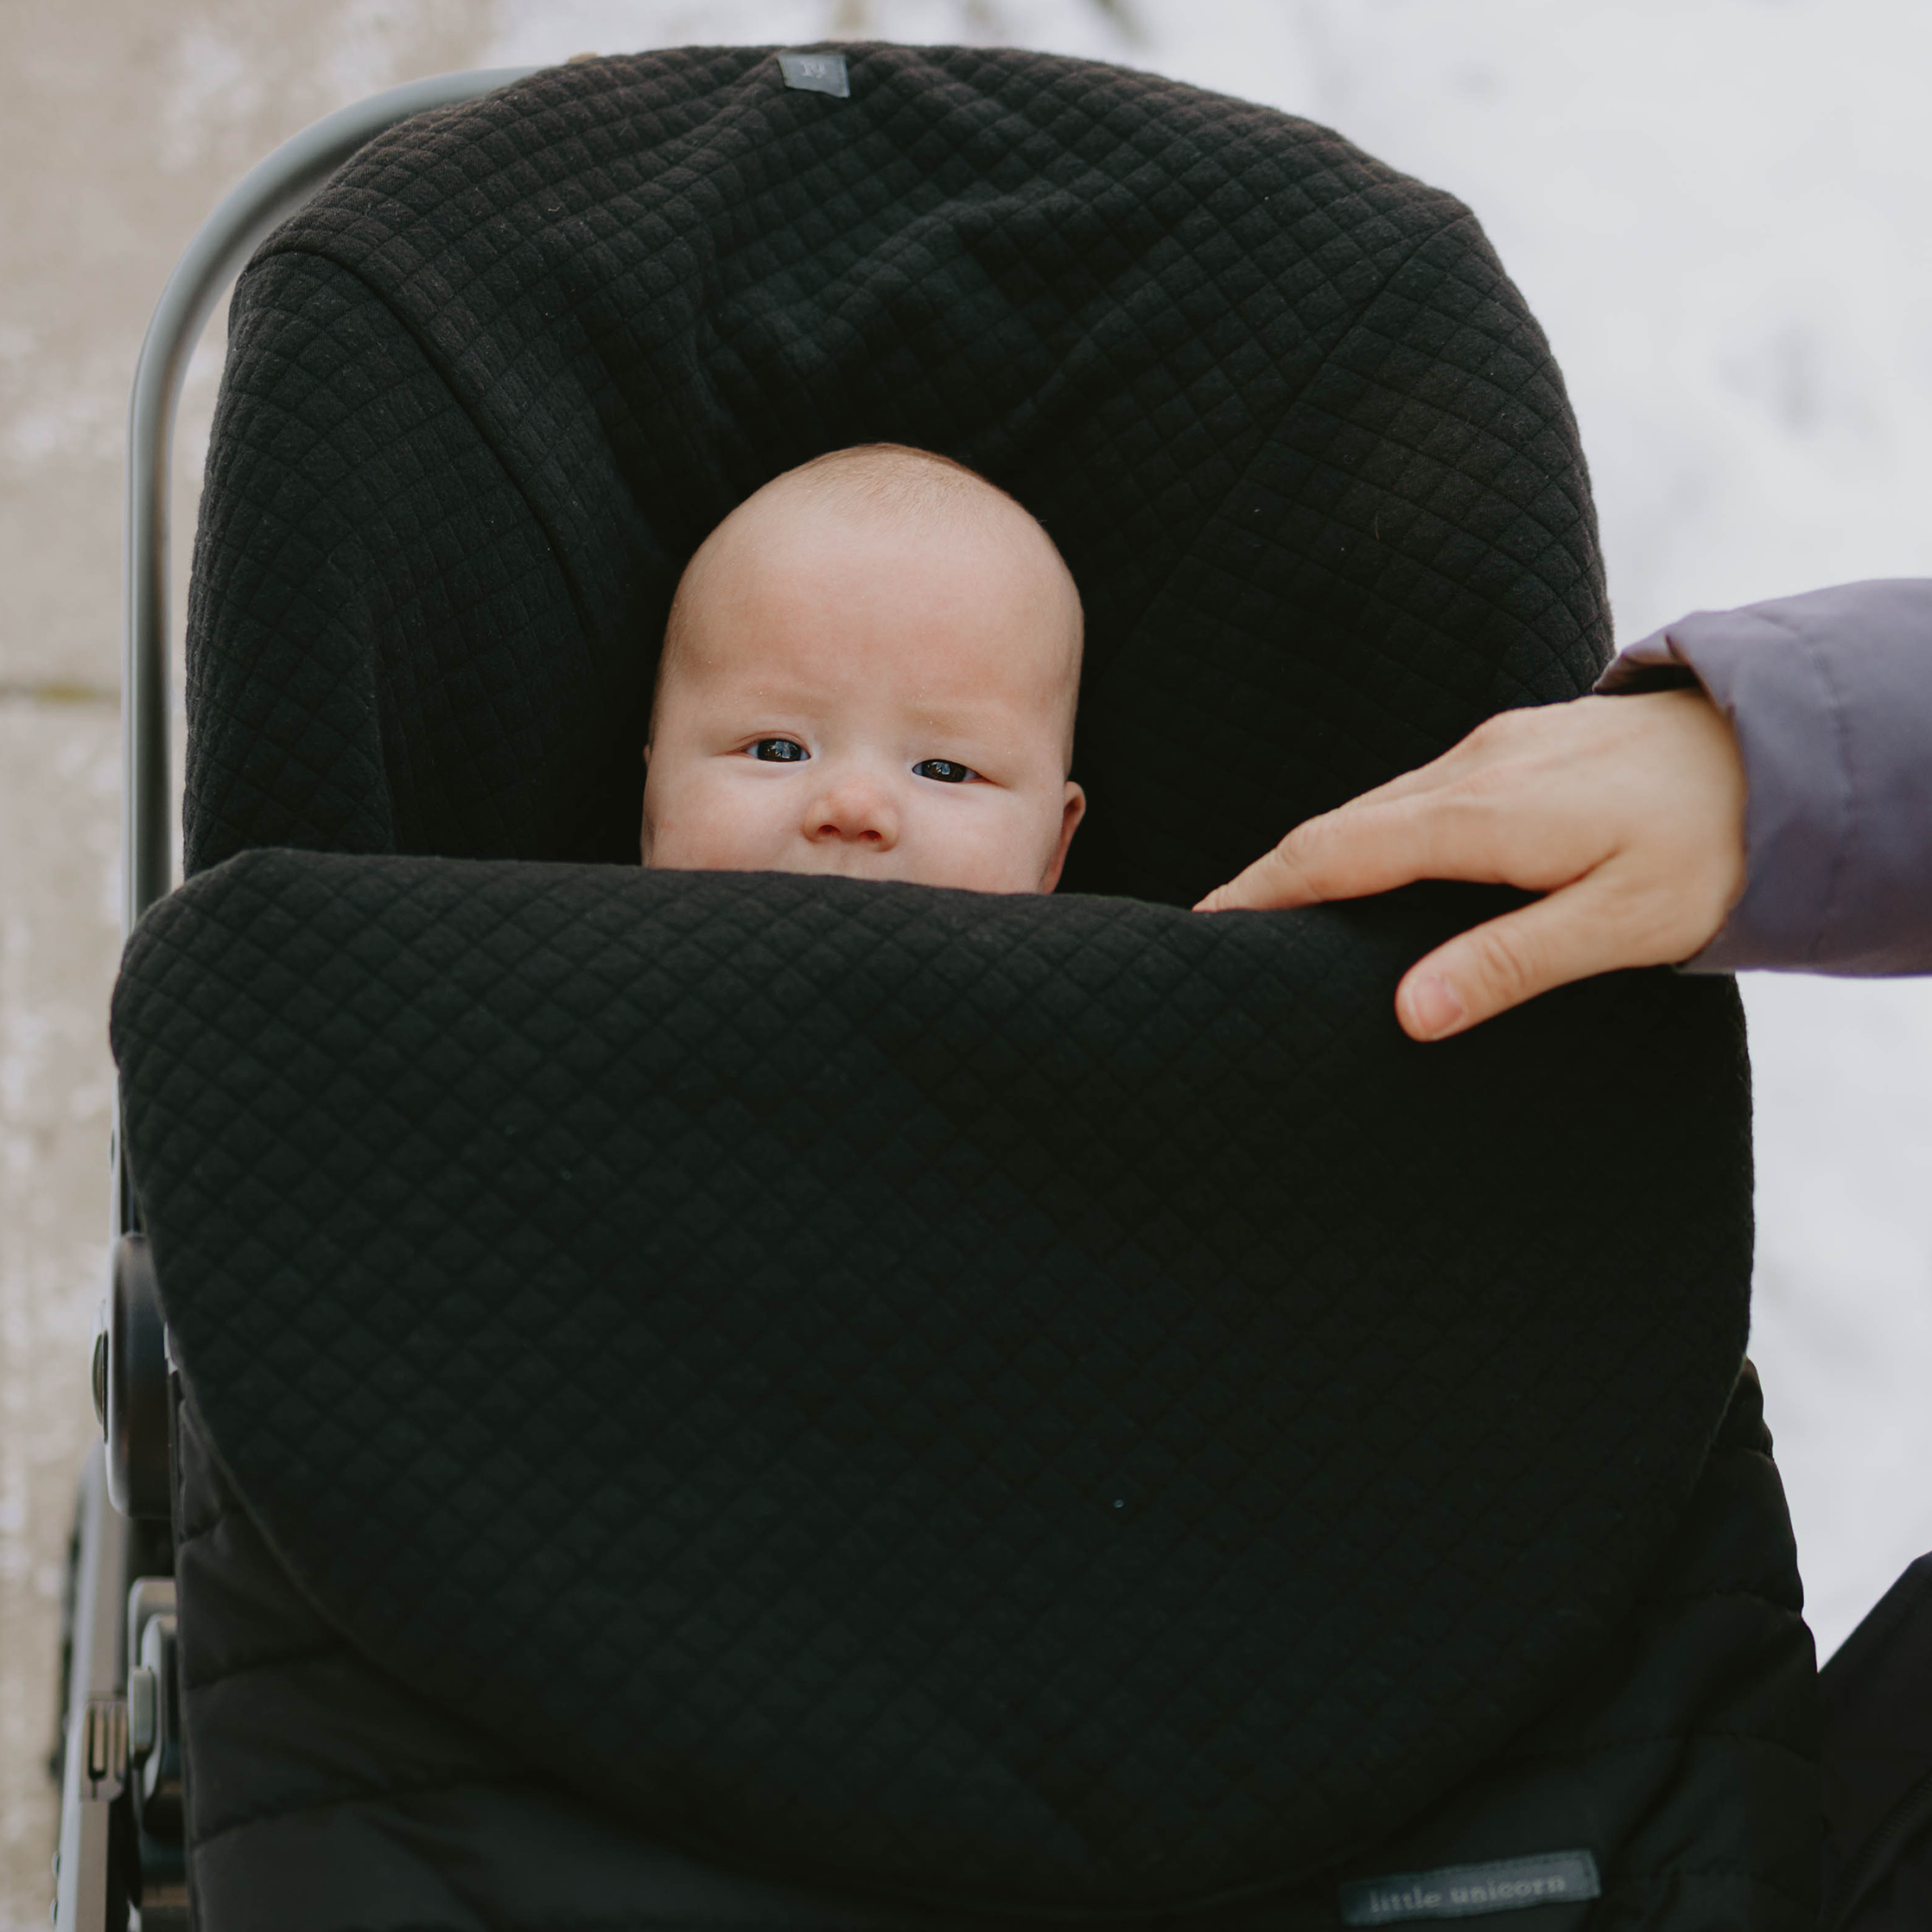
[1297, 438]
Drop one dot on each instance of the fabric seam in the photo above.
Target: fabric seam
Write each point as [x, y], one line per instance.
[1681, 1739]
[373, 1794]
[310, 1654]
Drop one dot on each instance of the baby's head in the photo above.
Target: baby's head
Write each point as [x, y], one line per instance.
[870, 669]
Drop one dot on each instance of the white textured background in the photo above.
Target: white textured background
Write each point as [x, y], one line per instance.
[1720, 209]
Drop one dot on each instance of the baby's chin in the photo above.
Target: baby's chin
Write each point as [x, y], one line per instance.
[973, 874]
[960, 877]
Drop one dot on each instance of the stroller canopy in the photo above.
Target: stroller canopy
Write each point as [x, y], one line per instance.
[1301, 445]
[1044, 1404]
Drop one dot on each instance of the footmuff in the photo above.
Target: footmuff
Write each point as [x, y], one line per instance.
[1015, 1404]
[749, 1401]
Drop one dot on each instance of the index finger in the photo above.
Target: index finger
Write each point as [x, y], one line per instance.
[1362, 847]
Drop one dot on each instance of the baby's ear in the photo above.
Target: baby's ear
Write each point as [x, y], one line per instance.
[1071, 812]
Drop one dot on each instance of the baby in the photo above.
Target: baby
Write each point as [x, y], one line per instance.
[870, 669]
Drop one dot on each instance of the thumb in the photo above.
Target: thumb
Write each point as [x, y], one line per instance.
[1497, 965]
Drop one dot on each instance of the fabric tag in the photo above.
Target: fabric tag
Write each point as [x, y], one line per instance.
[816, 74]
[1464, 1891]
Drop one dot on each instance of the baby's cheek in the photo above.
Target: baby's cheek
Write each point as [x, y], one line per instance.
[666, 838]
[721, 827]
[1005, 851]
[678, 845]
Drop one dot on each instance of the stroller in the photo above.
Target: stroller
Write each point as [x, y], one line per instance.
[653, 1400]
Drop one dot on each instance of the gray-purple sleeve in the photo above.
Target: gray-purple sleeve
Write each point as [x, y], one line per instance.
[1831, 696]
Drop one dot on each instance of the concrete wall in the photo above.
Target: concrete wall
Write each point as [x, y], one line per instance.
[124, 123]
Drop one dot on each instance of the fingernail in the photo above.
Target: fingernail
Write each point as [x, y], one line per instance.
[1435, 1006]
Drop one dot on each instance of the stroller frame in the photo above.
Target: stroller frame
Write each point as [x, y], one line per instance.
[117, 1754]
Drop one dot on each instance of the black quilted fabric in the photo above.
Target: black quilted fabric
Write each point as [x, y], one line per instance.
[1044, 1403]
[1304, 449]
[1039, 1406]
[1684, 1755]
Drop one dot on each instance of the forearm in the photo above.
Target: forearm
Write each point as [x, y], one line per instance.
[1830, 695]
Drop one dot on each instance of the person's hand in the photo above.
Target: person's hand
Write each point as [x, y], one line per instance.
[1627, 812]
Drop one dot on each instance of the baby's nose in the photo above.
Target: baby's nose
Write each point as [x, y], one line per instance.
[853, 809]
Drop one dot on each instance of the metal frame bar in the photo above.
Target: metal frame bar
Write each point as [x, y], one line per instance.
[95, 1721]
[266, 196]
[94, 1767]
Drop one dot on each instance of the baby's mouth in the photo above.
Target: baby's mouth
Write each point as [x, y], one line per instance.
[853, 863]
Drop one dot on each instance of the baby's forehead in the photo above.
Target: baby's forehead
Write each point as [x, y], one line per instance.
[769, 531]
[840, 554]
[932, 582]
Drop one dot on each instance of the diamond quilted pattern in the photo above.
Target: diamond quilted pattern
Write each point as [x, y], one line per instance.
[1304, 449]
[1040, 1405]
[1044, 1403]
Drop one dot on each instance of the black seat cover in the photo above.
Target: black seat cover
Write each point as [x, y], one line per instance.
[1035, 1402]
[1050, 1406]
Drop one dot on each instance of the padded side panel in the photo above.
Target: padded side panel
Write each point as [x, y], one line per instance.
[401, 665]
[1684, 1754]
[1877, 1761]
[1039, 1403]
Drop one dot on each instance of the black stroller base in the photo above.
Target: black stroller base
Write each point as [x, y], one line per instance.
[412, 1821]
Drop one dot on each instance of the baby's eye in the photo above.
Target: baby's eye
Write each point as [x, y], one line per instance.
[946, 771]
[778, 751]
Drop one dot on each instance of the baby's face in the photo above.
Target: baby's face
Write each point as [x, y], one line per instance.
[870, 698]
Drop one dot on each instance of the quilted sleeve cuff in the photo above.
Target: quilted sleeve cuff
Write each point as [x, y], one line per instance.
[1830, 693]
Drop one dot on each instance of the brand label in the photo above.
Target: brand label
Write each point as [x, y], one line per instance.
[816, 74]
[1463, 1891]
